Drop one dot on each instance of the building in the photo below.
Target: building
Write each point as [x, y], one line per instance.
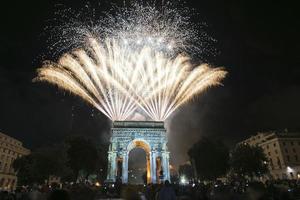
[282, 151]
[10, 149]
[147, 135]
[53, 179]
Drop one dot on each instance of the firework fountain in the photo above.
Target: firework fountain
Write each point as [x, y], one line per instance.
[134, 59]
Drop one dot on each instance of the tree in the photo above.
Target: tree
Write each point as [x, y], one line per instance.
[49, 161]
[102, 149]
[248, 160]
[39, 165]
[210, 158]
[52, 161]
[82, 156]
[187, 171]
[23, 168]
[63, 160]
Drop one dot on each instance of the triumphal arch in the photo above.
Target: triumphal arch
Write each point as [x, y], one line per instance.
[148, 135]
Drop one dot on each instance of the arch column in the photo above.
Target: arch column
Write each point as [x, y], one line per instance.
[165, 162]
[125, 167]
[112, 166]
[153, 166]
[159, 167]
[148, 165]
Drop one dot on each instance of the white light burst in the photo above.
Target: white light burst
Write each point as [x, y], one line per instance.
[164, 28]
[132, 57]
[117, 82]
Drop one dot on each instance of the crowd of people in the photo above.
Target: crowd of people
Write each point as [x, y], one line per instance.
[86, 191]
[270, 190]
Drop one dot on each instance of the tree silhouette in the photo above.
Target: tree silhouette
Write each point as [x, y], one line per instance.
[248, 160]
[210, 158]
[39, 165]
[82, 155]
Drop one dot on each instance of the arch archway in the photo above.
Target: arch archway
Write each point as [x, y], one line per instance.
[142, 144]
[137, 166]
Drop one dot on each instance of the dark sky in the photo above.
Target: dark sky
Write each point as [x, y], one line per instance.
[258, 44]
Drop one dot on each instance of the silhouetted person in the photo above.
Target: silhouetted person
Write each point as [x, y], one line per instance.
[130, 194]
[59, 195]
[167, 192]
[35, 194]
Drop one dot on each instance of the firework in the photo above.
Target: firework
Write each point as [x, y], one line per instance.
[165, 28]
[116, 81]
[132, 58]
[93, 78]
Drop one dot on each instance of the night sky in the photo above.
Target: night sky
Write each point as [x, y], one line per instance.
[258, 44]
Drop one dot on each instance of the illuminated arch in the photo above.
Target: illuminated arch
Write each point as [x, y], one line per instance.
[150, 136]
[139, 143]
[143, 144]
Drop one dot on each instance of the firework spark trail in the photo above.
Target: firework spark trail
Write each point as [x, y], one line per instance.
[165, 84]
[133, 57]
[167, 28]
[116, 81]
[92, 78]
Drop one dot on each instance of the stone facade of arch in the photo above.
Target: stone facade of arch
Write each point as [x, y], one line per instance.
[150, 136]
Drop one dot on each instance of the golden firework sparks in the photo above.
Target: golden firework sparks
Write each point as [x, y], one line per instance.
[116, 80]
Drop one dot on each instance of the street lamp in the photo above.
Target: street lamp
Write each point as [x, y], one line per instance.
[289, 169]
[183, 180]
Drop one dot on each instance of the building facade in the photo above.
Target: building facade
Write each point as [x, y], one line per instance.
[282, 151]
[10, 149]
